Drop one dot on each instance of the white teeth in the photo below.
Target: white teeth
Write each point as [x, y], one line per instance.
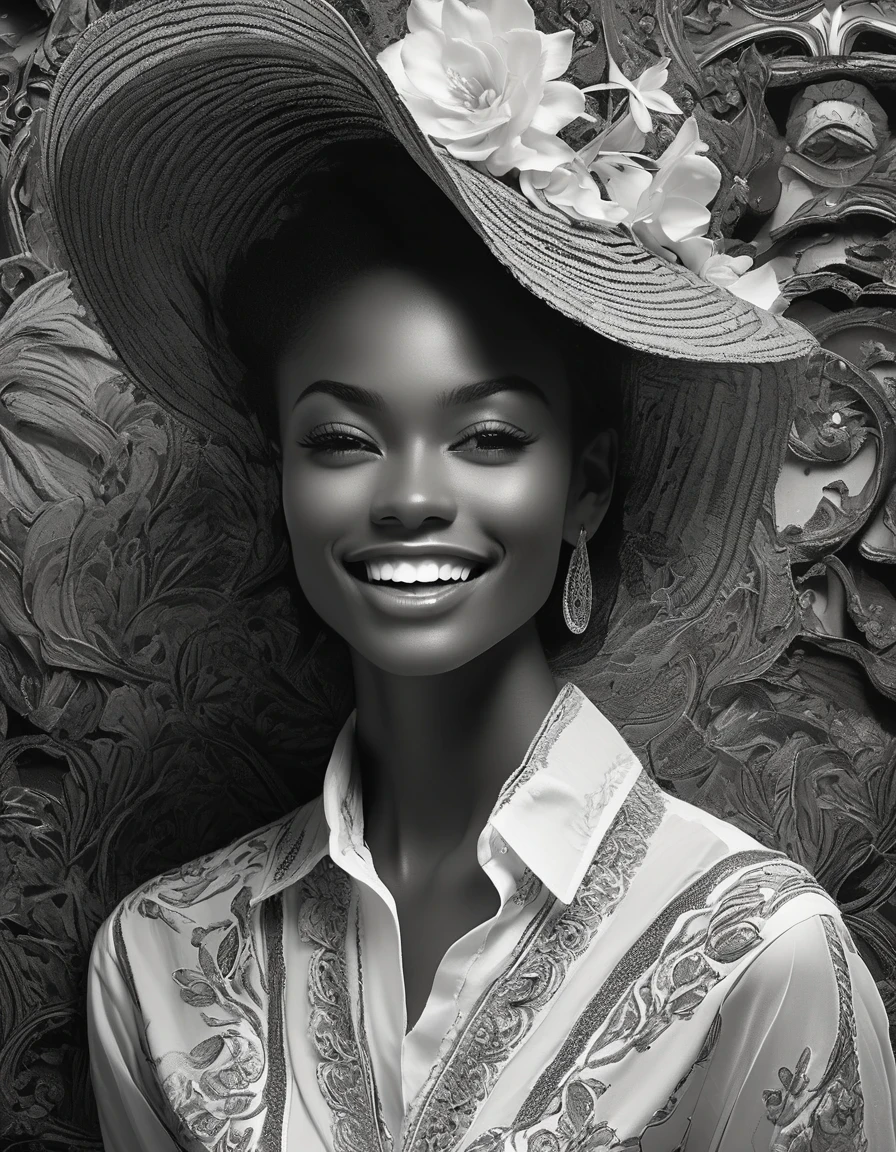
[422, 572]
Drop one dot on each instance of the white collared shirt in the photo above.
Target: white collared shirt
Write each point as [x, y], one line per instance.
[654, 980]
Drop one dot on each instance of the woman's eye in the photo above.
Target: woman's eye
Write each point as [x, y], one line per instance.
[335, 441]
[494, 438]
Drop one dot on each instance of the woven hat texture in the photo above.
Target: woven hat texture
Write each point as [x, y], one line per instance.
[176, 132]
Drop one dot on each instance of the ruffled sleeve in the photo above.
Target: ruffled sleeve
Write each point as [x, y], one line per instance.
[121, 1075]
[803, 1058]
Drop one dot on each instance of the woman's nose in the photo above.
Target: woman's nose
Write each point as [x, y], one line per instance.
[413, 486]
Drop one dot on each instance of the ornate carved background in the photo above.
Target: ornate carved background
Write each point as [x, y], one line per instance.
[158, 695]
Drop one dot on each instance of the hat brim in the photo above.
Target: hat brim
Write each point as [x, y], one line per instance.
[174, 134]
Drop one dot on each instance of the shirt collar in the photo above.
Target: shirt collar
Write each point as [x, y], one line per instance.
[553, 810]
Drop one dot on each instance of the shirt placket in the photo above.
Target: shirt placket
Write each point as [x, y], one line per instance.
[380, 978]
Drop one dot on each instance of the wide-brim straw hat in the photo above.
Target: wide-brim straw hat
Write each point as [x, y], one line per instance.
[175, 133]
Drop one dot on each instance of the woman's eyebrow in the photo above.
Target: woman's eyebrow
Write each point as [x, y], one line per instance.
[462, 394]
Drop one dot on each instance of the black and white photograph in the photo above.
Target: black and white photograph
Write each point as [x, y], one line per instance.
[448, 576]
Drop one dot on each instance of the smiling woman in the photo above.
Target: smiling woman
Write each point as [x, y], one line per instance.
[376, 281]
[492, 931]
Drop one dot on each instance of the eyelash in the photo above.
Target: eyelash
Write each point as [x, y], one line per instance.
[327, 436]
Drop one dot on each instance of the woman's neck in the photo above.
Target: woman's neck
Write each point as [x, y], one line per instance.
[434, 752]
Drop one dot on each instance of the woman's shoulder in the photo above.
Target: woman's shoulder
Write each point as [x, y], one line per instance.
[220, 881]
[713, 862]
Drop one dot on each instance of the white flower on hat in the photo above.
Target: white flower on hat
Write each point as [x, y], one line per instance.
[481, 80]
[571, 188]
[672, 210]
[644, 93]
[758, 286]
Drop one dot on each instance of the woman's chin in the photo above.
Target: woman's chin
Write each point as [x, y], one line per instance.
[416, 658]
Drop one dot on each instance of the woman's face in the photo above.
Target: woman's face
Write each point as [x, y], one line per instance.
[427, 468]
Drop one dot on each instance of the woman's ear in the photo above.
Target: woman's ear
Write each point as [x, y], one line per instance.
[591, 486]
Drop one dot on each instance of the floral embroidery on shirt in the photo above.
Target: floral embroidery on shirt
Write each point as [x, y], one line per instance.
[596, 802]
[829, 1116]
[580, 1127]
[528, 888]
[219, 1084]
[213, 1029]
[720, 924]
[668, 973]
[215, 1084]
[343, 1072]
[498, 1025]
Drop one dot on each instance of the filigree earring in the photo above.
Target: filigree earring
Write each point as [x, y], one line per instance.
[577, 589]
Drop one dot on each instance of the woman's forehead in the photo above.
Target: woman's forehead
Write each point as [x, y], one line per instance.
[389, 323]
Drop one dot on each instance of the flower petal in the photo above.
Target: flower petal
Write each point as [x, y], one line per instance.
[760, 287]
[696, 252]
[470, 61]
[625, 180]
[639, 113]
[560, 103]
[484, 149]
[532, 185]
[654, 77]
[464, 22]
[601, 87]
[687, 142]
[522, 53]
[572, 189]
[390, 62]
[459, 125]
[681, 218]
[505, 15]
[435, 120]
[421, 56]
[556, 53]
[660, 102]
[625, 136]
[694, 177]
[616, 77]
[644, 233]
[542, 150]
[424, 16]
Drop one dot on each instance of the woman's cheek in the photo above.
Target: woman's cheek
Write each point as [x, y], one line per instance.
[317, 500]
[528, 500]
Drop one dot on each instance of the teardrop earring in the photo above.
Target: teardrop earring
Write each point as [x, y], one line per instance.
[577, 589]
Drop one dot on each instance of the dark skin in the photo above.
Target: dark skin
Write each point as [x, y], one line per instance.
[449, 693]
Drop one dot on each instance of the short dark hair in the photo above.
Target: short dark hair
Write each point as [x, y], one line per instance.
[368, 202]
